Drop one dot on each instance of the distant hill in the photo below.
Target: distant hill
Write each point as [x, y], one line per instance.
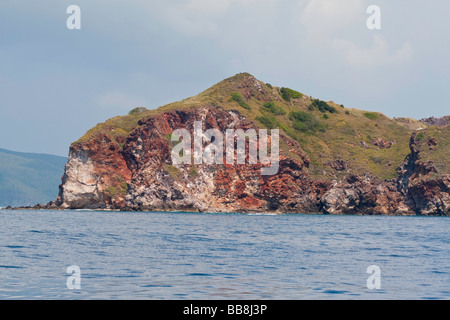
[29, 178]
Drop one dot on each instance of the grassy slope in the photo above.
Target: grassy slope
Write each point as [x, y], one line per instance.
[28, 179]
[346, 130]
[439, 154]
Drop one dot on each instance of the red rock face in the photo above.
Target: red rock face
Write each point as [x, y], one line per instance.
[252, 88]
[137, 173]
[157, 184]
[427, 196]
[96, 175]
[380, 143]
[431, 197]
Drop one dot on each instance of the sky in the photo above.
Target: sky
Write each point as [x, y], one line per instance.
[56, 82]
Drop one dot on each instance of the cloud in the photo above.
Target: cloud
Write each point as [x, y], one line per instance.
[342, 29]
[207, 6]
[119, 100]
[376, 55]
[195, 17]
[323, 18]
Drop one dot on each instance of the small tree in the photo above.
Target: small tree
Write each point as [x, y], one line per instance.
[137, 110]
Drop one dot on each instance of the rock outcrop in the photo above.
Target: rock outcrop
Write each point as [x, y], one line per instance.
[433, 121]
[425, 189]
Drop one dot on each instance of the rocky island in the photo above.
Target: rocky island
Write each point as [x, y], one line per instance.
[332, 159]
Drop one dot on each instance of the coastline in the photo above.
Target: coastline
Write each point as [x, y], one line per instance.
[243, 211]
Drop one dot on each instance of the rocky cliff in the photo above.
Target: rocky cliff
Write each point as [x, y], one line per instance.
[332, 159]
[140, 174]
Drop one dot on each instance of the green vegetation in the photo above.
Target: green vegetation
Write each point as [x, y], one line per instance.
[267, 121]
[113, 192]
[272, 108]
[302, 116]
[288, 94]
[120, 190]
[371, 115]
[174, 172]
[433, 144]
[137, 110]
[322, 106]
[117, 127]
[193, 172]
[420, 136]
[237, 97]
[376, 159]
[305, 122]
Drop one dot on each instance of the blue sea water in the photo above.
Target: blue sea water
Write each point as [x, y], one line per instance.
[155, 255]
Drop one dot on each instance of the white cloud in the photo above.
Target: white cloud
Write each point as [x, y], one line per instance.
[207, 6]
[376, 55]
[322, 18]
[195, 17]
[330, 25]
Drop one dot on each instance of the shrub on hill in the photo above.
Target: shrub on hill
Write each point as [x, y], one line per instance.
[268, 122]
[237, 97]
[322, 106]
[288, 94]
[137, 110]
[272, 108]
[304, 122]
[371, 115]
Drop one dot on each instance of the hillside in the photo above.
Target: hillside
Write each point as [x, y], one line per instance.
[29, 178]
[333, 159]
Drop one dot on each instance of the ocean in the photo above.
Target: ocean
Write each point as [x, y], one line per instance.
[158, 255]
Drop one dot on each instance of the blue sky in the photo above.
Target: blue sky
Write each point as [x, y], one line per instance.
[56, 83]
